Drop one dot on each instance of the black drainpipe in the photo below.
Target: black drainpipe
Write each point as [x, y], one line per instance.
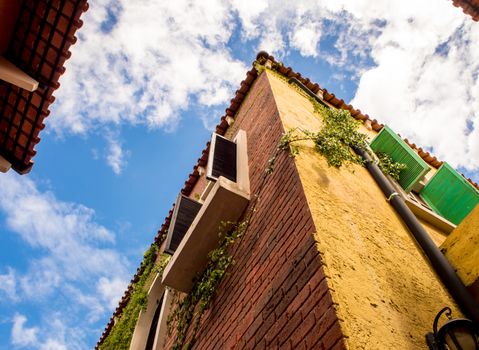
[307, 90]
[440, 264]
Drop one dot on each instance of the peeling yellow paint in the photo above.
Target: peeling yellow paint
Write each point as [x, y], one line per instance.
[462, 248]
[386, 293]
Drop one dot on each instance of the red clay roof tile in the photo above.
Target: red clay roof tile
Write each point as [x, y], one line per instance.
[39, 46]
[469, 7]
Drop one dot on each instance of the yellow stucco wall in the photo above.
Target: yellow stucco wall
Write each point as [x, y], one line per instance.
[387, 295]
[436, 234]
[462, 248]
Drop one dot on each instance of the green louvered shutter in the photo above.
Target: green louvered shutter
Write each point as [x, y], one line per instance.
[450, 194]
[387, 141]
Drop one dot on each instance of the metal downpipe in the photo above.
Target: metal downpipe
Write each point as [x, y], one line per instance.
[442, 267]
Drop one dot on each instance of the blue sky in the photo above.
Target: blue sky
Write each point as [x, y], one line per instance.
[146, 84]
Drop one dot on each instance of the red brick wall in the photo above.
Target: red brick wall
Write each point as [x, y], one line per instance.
[276, 295]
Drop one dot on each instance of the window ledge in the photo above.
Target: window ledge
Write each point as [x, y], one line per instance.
[423, 213]
[429, 216]
[225, 202]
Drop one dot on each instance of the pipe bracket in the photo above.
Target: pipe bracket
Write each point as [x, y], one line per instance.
[391, 196]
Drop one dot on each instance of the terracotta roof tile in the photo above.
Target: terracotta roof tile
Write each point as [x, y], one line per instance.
[39, 46]
[469, 7]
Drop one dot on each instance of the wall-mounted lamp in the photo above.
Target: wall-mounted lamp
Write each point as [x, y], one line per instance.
[455, 334]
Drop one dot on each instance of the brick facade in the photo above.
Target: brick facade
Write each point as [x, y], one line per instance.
[276, 295]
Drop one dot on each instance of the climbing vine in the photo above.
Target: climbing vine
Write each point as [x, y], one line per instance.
[189, 310]
[389, 166]
[335, 141]
[120, 335]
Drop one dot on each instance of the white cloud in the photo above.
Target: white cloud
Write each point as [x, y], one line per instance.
[59, 333]
[22, 336]
[306, 39]
[250, 13]
[8, 284]
[425, 65]
[91, 302]
[71, 255]
[111, 289]
[55, 333]
[209, 118]
[116, 156]
[148, 67]
[423, 93]
[43, 221]
[52, 344]
[42, 279]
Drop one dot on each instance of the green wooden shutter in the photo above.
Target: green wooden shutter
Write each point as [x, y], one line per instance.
[450, 194]
[387, 141]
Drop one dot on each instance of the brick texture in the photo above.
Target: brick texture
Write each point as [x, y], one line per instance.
[276, 295]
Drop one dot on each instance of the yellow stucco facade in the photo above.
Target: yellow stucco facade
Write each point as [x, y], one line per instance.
[385, 292]
[462, 248]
